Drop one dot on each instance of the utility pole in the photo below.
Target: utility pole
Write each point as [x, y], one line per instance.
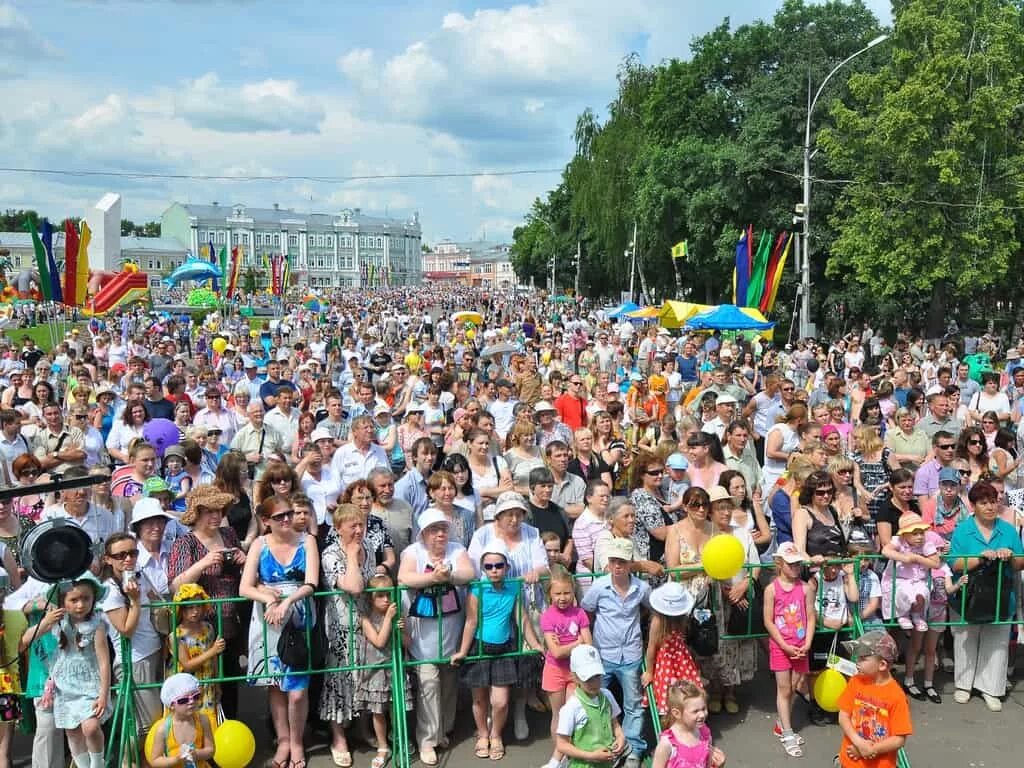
[576, 285]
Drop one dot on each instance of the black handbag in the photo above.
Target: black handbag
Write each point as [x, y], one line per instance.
[293, 651]
[703, 635]
[984, 589]
[749, 620]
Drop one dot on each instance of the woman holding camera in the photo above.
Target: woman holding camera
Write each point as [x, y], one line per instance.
[211, 556]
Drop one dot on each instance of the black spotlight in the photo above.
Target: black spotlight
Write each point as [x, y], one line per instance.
[56, 550]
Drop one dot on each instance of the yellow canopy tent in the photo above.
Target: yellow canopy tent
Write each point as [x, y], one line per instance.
[646, 313]
[756, 314]
[674, 314]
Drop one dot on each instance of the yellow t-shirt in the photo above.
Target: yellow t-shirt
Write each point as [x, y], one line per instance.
[413, 362]
[15, 625]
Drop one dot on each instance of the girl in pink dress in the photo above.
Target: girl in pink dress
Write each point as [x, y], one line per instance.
[687, 742]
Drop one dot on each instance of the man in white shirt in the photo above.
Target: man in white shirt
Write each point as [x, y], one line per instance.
[215, 415]
[284, 419]
[318, 347]
[75, 507]
[502, 409]
[256, 440]
[354, 460]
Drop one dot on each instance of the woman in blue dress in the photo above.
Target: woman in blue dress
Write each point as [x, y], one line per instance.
[280, 576]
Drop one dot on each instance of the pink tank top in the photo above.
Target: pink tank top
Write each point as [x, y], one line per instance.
[684, 756]
[790, 612]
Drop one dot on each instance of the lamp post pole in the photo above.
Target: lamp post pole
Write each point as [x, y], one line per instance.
[805, 272]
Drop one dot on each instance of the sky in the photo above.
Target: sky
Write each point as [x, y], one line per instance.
[240, 88]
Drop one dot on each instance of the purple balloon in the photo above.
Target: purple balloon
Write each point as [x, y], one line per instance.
[160, 433]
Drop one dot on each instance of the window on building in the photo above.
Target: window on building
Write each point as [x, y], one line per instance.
[293, 240]
[245, 238]
[277, 239]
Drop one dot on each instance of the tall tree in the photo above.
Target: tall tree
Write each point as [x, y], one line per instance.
[931, 146]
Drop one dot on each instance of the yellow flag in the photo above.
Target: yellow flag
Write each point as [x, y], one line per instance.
[82, 267]
[679, 250]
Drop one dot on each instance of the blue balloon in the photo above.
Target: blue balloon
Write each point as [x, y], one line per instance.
[193, 269]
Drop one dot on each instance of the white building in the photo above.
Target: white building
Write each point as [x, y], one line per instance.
[347, 249]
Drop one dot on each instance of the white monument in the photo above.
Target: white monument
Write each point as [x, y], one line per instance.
[105, 222]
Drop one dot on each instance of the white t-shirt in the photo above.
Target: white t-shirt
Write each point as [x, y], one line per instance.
[145, 641]
[832, 605]
[572, 715]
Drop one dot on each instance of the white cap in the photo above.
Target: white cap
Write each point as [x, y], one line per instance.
[510, 500]
[319, 434]
[431, 516]
[496, 547]
[585, 662]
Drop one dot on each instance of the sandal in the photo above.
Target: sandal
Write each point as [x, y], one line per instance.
[789, 743]
[777, 730]
[497, 751]
[341, 757]
[428, 756]
[482, 748]
[381, 760]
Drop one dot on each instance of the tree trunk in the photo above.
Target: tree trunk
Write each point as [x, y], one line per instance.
[936, 320]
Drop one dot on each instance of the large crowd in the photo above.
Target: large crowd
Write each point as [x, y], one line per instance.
[539, 481]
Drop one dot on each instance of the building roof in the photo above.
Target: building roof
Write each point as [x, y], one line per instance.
[277, 215]
[156, 244]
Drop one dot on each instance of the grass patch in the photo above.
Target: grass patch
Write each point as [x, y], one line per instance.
[41, 334]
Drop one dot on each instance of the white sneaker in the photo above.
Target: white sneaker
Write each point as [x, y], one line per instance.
[521, 728]
[993, 704]
[960, 696]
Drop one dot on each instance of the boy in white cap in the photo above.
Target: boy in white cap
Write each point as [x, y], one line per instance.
[588, 731]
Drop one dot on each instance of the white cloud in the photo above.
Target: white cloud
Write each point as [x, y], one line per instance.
[20, 45]
[491, 190]
[270, 105]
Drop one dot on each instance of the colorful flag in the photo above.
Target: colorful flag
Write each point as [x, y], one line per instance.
[51, 263]
[756, 286]
[680, 250]
[37, 246]
[773, 263]
[776, 278]
[70, 264]
[82, 268]
[741, 274]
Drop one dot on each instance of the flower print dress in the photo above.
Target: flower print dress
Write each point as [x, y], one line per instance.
[75, 672]
[265, 667]
[196, 644]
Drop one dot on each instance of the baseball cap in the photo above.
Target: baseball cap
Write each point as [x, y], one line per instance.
[677, 461]
[319, 434]
[381, 410]
[949, 475]
[431, 516]
[620, 548]
[585, 662]
[877, 642]
[789, 552]
[154, 485]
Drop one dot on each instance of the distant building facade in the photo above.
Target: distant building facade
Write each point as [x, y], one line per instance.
[476, 263]
[347, 249]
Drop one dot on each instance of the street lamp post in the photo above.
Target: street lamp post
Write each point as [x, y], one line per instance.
[805, 209]
[551, 279]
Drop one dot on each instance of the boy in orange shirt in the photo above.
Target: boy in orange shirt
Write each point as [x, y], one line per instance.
[873, 710]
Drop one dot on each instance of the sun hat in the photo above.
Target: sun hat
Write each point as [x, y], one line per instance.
[174, 450]
[101, 590]
[381, 410]
[510, 500]
[671, 599]
[718, 493]
[619, 548]
[543, 406]
[726, 399]
[585, 662]
[910, 522]
[319, 434]
[207, 496]
[788, 552]
[431, 516]
[146, 509]
[877, 642]
[177, 686]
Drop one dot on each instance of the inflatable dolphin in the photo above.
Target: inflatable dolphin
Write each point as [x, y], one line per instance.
[193, 269]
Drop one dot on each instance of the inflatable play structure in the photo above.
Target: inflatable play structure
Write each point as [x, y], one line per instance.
[110, 290]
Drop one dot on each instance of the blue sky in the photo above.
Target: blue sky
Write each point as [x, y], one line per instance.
[320, 88]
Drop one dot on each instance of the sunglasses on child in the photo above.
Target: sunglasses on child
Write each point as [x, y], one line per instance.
[493, 566]
[192, 698]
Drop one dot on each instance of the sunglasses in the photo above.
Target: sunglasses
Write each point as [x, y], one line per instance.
[282, 517]
[493, 566]
[974, 442]
[963, 472]
[123, 555]
[696, 505]
[948, 447]
[654, 472]
[824, 492]
[192, 698]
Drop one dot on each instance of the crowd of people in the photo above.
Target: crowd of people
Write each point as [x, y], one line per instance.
[517, 500]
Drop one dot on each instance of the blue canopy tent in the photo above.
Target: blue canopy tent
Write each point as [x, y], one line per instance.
[623, 309]
[726, 317]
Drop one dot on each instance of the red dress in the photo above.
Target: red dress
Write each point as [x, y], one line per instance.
[673, 663]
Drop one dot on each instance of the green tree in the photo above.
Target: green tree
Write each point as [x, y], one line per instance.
[12, 220]
[249, 280]
[151, 229]
[931, 146]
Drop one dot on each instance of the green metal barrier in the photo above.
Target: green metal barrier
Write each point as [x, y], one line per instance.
[123, 746]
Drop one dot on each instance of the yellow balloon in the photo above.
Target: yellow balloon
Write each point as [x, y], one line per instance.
[828, 688]
[470, 334]
[254, 333]
[218, 345]
[722, 557]
[151, 737]
[233, 745]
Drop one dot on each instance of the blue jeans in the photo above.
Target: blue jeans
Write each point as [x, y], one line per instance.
[628, 676]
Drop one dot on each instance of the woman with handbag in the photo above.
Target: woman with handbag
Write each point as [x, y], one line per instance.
[281, 574]
[981, 547]
[432, 569]
[740, 614]
[348, 564]
[210, 555]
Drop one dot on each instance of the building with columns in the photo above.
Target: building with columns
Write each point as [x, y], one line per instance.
[347, 249]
